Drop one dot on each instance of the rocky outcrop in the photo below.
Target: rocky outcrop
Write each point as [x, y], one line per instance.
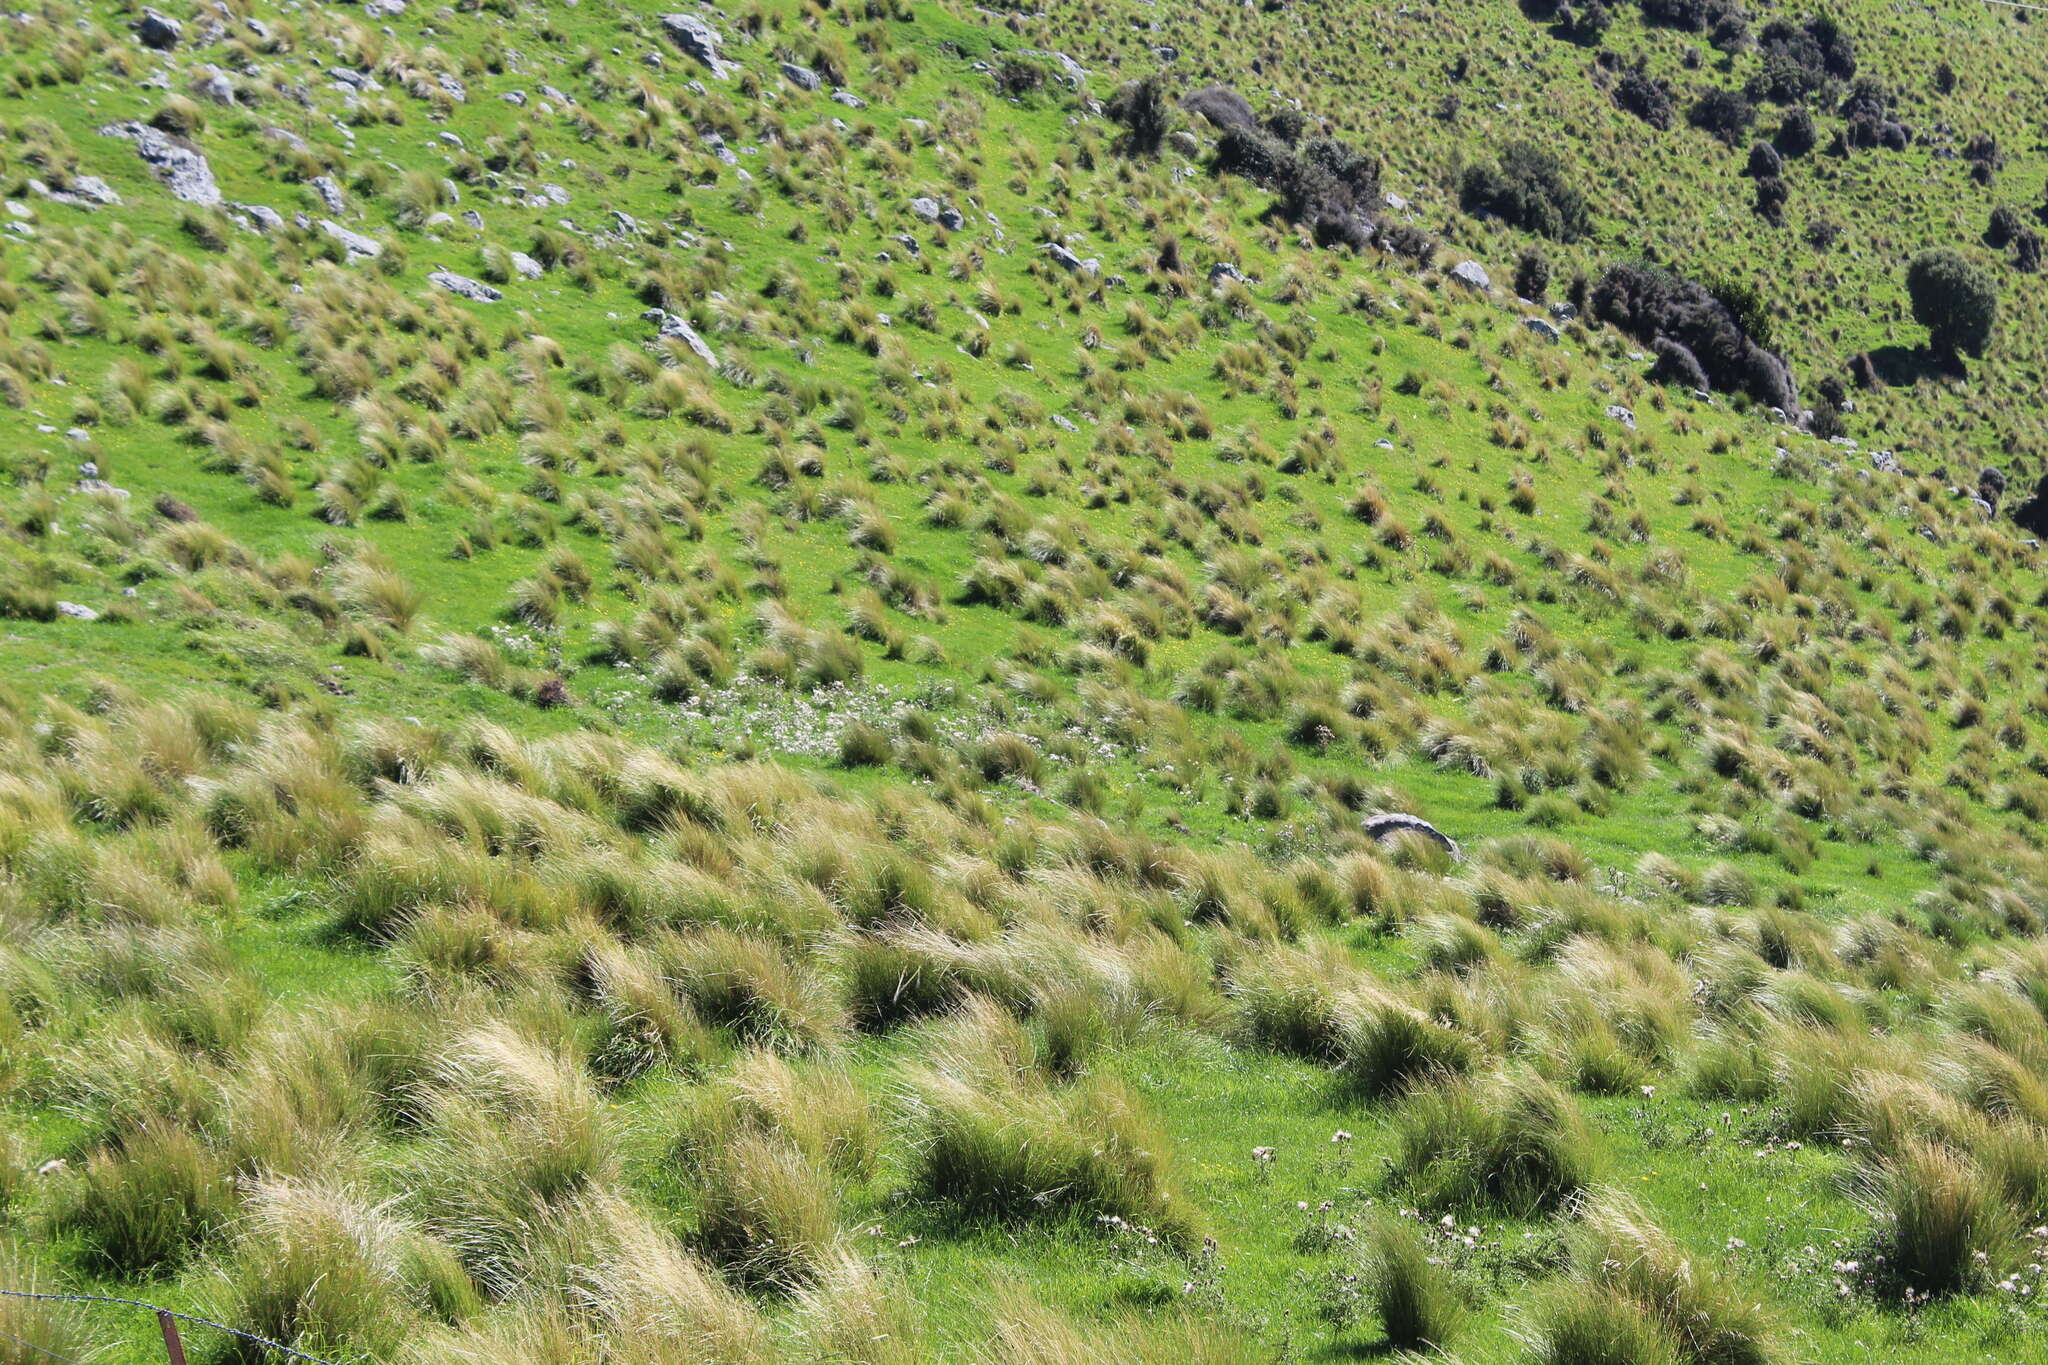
[158, 31]
[360, 248]
[476, 291]
[932, 211]
[669, 325]
[699, 40]
[1472, 275]
[177, 163]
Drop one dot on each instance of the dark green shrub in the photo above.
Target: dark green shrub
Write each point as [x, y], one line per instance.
[1955, 300]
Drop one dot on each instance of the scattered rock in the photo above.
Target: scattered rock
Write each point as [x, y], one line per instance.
[158, 31]
[1563, 312]
[286, 136]
[84, 192]
[669, 325]
[849, 99]
[77, 612]
[1472, 276]
[177, 163]
[451, 87]
[214, 86]
[360, 248]
[527, 266]
[802, 77]
[1068, 260]
[1391, 826]
[261, 218]
[330, 193]
[1618, 413]
[476, 291]
[699, 40]
[383, 9]
[1225, 270]
[1543, 328]
[932, 211]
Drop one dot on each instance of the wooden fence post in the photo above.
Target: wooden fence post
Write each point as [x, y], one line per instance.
[171, 1342]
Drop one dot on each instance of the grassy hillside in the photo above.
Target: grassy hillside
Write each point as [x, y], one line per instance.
[656, 714]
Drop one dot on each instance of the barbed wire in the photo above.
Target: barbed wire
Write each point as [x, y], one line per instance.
[40, 1350]
[161, 1312]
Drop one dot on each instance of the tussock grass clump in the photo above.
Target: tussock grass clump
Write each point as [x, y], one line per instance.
[317, 1267]
[1418, 1306]
[1711, 1321]
[145, 1207]
[764, 1211]
[1510, 1141]
[1014, 1148]
[1944, 1225]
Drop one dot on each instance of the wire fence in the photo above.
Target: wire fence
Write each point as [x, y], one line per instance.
[167, 1319]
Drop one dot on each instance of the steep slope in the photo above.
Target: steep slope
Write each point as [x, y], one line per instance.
[530, 417]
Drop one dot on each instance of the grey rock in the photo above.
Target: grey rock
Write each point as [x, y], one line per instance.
[178, 164]
[259, 28]
[286, 136]
[1396, 202]
[625, 223]
[473, 218]
[1616, 412]
[261, 217]
[77, 612]
[1166, 54]
[669, 325]
[214, 86]
[330, 193]
[802, 77]
[725, 154]
[1393, 825]
[476, 291]
[1471, 275]
[516, 98]
[158, 31]
[549, 92]
[452, 87]
[1064, 422]
[359, 81]
[849, 99]
[1986, 508]
[84, 192]
[932, 211]
[527, 266]
[1884, 462]
[1225, 270]
[359, 246]
[383, 9]
[1563, 312]
[1068, 260]
[1070, 70]
[699, 40]
[1544, 328]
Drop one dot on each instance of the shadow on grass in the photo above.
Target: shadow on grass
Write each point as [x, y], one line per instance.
[1355, 1350]
[1900, 366]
